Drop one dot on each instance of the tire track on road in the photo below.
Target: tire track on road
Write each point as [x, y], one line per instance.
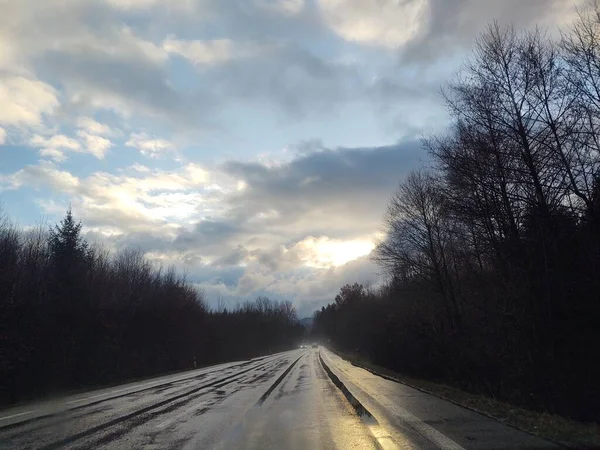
[281, 377]
[216, 383]
[130, 391]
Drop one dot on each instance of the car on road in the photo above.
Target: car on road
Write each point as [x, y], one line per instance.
[315, 345]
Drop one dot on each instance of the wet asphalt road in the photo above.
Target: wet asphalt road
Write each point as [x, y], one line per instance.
[302, 399]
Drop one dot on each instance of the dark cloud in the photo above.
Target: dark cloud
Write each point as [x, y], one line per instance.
[138, 85]
[289, 77]
[216, 236]
[235, 257]
[452, 25]
[321, 192]
[258, 243]
[338, 193]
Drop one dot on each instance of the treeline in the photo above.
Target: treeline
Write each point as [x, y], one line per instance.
[493, 251]
[73, 316]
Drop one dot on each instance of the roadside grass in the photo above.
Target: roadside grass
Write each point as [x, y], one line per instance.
[572, 434]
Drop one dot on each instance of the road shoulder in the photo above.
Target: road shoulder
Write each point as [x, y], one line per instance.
[567, 432]
[442, 422]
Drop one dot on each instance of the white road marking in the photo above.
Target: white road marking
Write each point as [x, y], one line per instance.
[17, 415]
[174, 418]
[417, 424]
[433, 435]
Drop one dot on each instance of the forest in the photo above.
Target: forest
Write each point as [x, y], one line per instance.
[492, 249]
[72, 315]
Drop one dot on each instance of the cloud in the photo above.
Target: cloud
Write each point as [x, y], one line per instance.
[278, 220]
[291, 236]
[136, 201]
[98, 60]
[25, 101]
[450, 26]
[280, 234]
[309, 289]
[387, 23]
[86, 76]
[208, 52]
[119, 57]
[150, 202]
[284, 7]
[128, 5]
[44, 175]
[96, 145]
[55, 146]
[151, 147]
[93, 127]
[291, 78]
[200, 52]
[424, 30]
[328, 188]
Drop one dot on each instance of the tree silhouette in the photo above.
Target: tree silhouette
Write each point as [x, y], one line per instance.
[72, 315]
[493, 251]
[65, 241]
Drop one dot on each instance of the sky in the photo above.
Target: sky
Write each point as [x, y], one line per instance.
[253, 144]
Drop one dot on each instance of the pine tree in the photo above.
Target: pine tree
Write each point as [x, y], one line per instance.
[70, 257]
[66, 243]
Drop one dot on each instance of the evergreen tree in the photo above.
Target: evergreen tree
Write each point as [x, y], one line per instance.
[65, 242]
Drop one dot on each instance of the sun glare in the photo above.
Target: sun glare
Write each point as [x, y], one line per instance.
[326, 252]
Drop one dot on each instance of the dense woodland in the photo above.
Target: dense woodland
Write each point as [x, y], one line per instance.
[71, 315]
[492, 252]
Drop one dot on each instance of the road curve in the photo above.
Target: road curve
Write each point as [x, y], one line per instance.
[301, 399]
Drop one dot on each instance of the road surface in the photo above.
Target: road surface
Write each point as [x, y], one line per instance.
[302, 399]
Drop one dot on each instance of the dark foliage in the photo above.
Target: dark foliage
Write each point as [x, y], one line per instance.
[72, 316]
[493, 254]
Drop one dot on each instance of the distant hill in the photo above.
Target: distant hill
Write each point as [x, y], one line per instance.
[307, 322]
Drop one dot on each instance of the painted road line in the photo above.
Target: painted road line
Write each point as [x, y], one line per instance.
[17, 415]
[425, 430]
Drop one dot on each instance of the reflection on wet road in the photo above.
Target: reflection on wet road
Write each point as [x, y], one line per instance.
[302, 399]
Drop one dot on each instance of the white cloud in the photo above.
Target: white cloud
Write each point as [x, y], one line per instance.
[208, 52]
[8, 54]
[25, 101]
[287, 225]
[140, 168]
[133, 4]
[44, 175]
[55, 146]
[325, 252]
[387, 23]
[96, 145]
[148, 146]
[147, 4]
[142, 200]
[200, 52]
[93, 127]
[285, 7]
